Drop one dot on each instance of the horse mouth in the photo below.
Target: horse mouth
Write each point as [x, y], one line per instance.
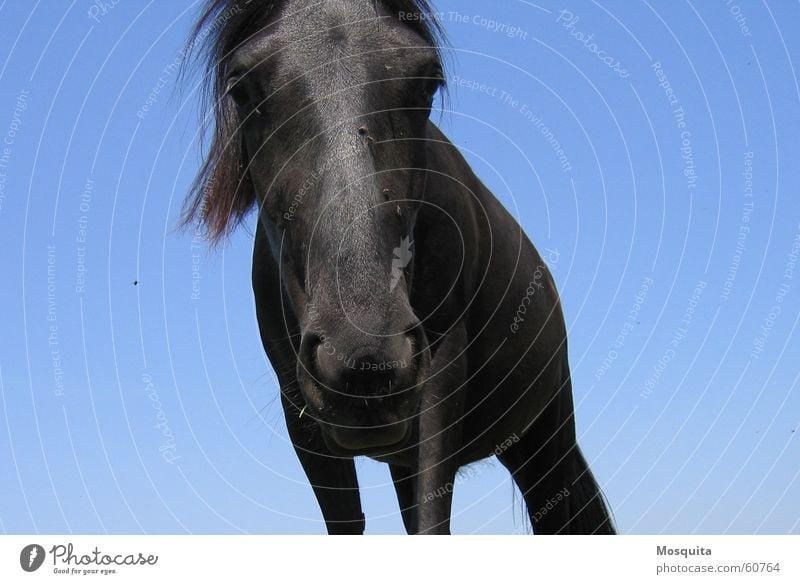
[373, 441]
[367, 425]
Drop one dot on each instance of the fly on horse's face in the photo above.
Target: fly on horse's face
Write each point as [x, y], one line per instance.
[334, 134]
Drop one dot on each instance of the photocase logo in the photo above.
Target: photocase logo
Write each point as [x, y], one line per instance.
[31, 557]
[402, 258]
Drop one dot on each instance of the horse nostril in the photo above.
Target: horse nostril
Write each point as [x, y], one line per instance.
[410, 344]
[416, 345]
[326, 363]
[312, 355]
[416, 341]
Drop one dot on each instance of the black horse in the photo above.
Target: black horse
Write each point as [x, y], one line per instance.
[407, 316]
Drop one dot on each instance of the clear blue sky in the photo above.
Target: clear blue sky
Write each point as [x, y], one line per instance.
[656, 159]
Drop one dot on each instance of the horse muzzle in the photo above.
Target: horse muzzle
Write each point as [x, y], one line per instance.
[366, 398]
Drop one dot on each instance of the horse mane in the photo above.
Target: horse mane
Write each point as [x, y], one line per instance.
[222, 193]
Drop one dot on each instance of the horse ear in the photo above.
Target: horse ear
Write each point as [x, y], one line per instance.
[222, 193]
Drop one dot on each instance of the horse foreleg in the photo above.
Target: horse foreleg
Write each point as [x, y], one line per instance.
[561, 494]
[332, 478]
[439, 434]
[403, 479]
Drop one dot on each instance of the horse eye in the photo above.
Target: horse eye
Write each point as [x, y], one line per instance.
[236, 90]
[432, 80]
[437, 74]
[231, 84]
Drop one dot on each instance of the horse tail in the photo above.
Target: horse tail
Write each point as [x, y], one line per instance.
[589, 510]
